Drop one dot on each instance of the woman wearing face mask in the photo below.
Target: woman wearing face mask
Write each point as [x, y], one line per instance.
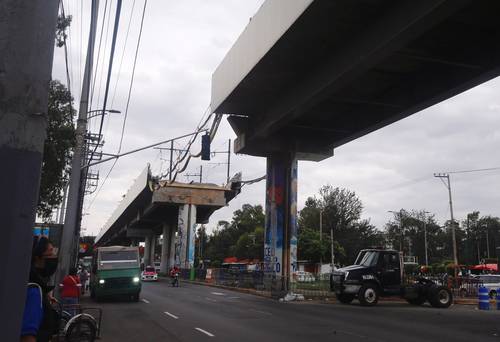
[40, 320]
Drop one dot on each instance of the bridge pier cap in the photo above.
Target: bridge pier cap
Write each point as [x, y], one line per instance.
[309, 76]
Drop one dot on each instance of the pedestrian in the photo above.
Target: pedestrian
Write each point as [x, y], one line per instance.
[84, 276]
[40, 320]
[70, 291]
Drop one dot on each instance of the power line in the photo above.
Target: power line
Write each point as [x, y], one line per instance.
[110, 67]
[127, 106]
[476, 170]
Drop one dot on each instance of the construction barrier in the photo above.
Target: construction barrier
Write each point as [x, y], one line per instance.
[483, 298]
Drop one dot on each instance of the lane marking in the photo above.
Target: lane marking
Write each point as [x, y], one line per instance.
[145, 301]
[262, 312]
[233, 297]
[171, 315]
[210, 299]
[205, 332]
[218, 293]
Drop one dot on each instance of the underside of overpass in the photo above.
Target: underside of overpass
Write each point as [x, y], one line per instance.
[152, 208]
[306, 76]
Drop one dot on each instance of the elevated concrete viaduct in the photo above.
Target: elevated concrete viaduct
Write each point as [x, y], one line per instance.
[306, 76]
[173, 210]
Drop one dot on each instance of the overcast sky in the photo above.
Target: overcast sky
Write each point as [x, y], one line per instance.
[182, 44]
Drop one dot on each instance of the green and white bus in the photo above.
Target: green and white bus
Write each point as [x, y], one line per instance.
[115, 271]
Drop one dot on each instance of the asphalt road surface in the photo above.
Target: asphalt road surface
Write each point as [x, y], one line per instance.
[201, 313]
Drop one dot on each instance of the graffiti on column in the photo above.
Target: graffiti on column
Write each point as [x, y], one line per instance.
[179, 257]
[192, 235]
[275, 212]
[293, 217]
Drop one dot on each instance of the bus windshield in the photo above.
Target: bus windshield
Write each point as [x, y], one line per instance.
[118, 259]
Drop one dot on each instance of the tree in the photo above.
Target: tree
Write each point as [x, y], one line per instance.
[243, 237]
[341, 211]
[57, 150]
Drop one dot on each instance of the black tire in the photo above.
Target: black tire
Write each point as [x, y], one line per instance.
[92, 293]
[135, 297]
[83, 330]
[368, 295]
[440, 297]
[416, 301]
[345, 298]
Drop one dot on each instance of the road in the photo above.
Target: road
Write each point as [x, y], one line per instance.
[198, 313]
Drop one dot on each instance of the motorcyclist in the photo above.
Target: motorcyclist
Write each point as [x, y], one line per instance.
[174, 274]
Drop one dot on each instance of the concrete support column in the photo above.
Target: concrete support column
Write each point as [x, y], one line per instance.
[280, 241]
[165, 248]
[187, 233]
[172, 247]
[153, 248]
[147, 250]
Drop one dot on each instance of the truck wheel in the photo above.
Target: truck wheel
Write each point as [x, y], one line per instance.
[345, 298]
[92, 293]
[416, 301]
[368, 295]
[440, 296]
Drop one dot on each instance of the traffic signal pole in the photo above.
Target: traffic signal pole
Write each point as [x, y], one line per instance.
[27, 33]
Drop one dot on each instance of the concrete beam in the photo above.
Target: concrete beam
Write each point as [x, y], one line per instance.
[196, 195]
[135, 232]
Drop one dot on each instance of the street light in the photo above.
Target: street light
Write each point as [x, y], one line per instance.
[400, 227]
[93, 113]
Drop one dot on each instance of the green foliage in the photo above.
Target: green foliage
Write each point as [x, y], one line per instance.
[63, 23]
[341, 212]
[57, 149]
[243, 237]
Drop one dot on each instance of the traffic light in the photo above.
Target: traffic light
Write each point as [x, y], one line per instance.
[205, 147]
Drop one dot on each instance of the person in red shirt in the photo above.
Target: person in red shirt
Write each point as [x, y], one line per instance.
[70, 291]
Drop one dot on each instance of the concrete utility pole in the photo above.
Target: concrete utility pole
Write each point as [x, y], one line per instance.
[320, 239]
[425, 239]
[453, 237]
[27, 33]
[75, 191]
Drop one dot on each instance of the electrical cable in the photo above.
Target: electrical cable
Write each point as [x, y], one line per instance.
[110, 67]
[98, 54]
[475, 170]
[106, 36]
[127, 107]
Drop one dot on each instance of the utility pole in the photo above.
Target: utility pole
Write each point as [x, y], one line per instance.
[453, 237]
[228, 160]
[320, 239]
[27, 33]
[487, 241]
[78, 160]
[425, 239]
[331, 248]
[171, 169]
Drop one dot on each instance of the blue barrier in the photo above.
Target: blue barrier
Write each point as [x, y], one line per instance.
[483, 298]
[498, 299]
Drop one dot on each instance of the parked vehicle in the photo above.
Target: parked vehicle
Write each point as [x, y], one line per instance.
[149, 274]
[303, 276]
[491, 282]
[379, 272]
[115, 271]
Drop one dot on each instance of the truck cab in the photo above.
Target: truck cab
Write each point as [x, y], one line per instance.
[379, 272]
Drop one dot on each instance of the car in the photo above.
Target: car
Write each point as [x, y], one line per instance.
[491, 282]
[149, 274]
[306, 277]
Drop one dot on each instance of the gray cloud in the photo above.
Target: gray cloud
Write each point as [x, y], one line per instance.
[184, 41]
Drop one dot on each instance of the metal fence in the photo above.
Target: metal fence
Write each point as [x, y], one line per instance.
[312, 286]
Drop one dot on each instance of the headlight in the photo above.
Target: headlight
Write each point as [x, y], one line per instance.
[135, 279]
[101, 281]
